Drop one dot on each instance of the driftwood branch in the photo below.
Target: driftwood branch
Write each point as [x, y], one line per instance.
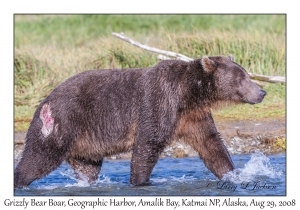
[273, 79]
[165, 55]
[162, 57]
[152, 49]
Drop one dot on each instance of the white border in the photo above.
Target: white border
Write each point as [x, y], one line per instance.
[154, 6]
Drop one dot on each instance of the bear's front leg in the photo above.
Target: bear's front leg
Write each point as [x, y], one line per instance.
[156, 127]
[211, 148]
[144, 158]
[215, 155]
[151, 140]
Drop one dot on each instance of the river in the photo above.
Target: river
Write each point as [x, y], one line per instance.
[255, 175]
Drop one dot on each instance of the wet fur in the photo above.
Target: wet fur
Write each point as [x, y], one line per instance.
[104, 112]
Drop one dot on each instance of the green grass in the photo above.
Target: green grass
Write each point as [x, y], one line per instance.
[77, 29]
[51, 48]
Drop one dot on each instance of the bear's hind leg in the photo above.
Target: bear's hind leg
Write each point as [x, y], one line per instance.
[34, 167]
[38, 160]
[46, 147]
[85, 169]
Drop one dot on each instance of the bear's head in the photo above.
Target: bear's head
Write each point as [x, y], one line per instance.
[231, 82]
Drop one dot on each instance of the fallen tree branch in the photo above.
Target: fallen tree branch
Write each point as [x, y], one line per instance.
[273, 79]
[152, 49]
[163, 55]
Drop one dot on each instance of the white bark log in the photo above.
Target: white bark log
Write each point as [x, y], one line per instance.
[273, 79]
[152, 49]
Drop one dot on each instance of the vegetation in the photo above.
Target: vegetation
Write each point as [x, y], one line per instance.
[280, 143]
[51, 48]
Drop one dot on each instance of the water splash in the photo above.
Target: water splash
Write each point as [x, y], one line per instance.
[105, 180]
[257, 167]
[173, 179]
[69, 173]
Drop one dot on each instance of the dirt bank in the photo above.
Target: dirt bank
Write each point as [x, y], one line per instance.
[240, 137]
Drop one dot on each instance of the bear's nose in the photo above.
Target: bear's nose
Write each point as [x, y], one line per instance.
[262, 93]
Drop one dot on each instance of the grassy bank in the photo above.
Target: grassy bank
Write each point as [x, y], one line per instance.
[49, 49]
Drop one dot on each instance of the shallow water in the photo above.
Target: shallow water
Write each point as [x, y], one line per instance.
[255, 174]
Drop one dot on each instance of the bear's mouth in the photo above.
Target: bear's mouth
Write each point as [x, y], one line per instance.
[248, 101]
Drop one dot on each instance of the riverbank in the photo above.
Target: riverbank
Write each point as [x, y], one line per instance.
[240, 137]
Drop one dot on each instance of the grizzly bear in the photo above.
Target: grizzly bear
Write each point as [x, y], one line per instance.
[99, 113]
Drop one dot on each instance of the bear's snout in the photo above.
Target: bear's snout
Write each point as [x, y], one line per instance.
[262, 93]
[252, 97]
[260, 97]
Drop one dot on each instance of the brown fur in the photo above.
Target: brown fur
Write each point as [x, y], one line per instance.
[104, 112]
[91, 149]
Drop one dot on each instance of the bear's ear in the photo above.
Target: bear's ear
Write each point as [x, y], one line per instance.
[231, 57]
[208, 64]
